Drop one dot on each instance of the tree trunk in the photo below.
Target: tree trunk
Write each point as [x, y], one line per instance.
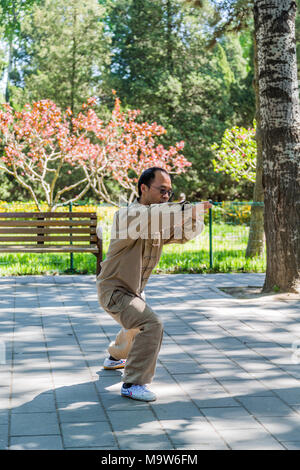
[280, 130]
[169, 37]
[256, 240]
[74, 61]
[169, 47]
[9, 67]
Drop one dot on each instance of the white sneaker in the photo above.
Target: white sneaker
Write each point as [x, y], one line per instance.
[138, 392]
[109, 364]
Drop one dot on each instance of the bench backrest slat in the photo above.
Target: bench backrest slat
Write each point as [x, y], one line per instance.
[48, 248]
[48, 239]
[48, 230]
[46, 223]
[51, 215]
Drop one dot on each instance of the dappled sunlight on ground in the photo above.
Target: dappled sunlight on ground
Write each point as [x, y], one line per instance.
[227, 376]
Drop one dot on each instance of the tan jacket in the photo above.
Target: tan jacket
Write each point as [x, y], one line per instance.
[138, 235]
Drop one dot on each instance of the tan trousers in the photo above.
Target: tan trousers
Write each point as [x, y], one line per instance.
[140, 338]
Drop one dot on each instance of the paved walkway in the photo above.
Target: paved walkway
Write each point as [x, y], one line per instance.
[227, 376]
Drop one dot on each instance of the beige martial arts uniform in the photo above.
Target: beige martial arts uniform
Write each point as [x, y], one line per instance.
[138, 234]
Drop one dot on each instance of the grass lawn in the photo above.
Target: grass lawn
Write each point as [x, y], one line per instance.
[229, 246]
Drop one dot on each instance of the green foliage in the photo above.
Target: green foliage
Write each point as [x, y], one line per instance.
[154, 54]
[2, 63]
[12, 14]
[162, 66]
[236, 155]
[231, 213]
[66, 49]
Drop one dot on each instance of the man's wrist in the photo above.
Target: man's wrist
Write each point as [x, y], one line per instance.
[198, 211]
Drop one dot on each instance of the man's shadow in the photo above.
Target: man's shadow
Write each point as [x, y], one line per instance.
[87, 415]
[93, 415]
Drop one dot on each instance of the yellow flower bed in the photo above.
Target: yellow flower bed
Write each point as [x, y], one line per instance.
[104, 213]
[234, 214]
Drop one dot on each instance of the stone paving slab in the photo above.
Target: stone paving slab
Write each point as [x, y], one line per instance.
[227, 375]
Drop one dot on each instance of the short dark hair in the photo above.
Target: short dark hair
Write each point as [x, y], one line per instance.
[147, 176]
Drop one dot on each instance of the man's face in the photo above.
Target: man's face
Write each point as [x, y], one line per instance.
[152, 194]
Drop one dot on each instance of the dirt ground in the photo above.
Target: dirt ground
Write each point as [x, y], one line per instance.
[250, 292]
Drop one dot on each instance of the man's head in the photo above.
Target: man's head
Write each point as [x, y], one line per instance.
[154, 186]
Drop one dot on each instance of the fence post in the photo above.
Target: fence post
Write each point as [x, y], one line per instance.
[210, 237]
[71, 243]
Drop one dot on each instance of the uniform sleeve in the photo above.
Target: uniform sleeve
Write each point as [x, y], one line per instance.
[165, 222]
[153, 221]
[189, 228]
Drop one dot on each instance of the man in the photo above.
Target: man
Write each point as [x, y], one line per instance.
[138, 234]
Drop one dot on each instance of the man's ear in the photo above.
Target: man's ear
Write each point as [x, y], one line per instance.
[143, 186]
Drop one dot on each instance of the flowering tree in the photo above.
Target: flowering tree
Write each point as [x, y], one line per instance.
[123, 149]
[36, 144]
[237, 153]
[40, 143]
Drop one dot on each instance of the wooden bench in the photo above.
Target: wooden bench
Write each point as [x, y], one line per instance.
[50, 232]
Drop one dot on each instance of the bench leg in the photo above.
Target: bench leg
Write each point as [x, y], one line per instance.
[99, 259]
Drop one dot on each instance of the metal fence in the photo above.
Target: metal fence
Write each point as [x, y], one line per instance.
[237, 217]
[221, 247]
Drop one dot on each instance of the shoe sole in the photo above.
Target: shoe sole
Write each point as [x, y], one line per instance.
[121, 366]
[138, 399]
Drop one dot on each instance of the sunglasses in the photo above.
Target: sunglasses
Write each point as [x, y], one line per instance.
[163, 191]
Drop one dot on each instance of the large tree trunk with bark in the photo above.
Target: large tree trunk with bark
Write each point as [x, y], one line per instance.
[256, 240]
[280, 131]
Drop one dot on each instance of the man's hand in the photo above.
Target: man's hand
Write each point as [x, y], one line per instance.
[205, 206]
